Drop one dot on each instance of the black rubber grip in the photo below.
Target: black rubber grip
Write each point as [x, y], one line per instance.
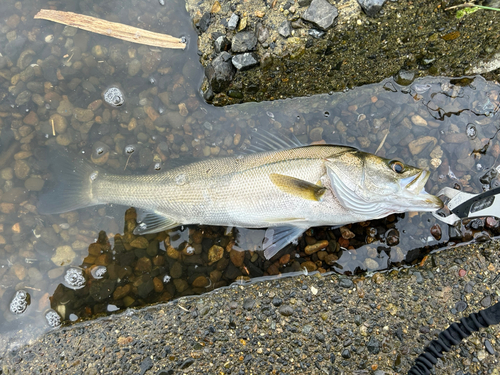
[452, 336]
[462, 211]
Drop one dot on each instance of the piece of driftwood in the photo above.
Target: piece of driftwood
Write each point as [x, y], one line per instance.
[112, 29]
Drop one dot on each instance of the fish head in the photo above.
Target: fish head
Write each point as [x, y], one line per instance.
[376, 187]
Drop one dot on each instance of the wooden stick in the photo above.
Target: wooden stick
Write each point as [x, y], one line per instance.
[112, 29]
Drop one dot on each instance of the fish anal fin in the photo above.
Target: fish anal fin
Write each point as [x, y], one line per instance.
[297, 187]
[276, 238]
[153, 222]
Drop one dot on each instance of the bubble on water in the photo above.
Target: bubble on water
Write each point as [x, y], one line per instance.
[270, 114]
[114, 96]
[421, 88]
[471, 131]
[74, 278]
[53, 319]
[166, 279]
[20, 302]
[180, 179]
[98, 272]
[157, 166]
[326, 114]
[130, 149]
[152, 80]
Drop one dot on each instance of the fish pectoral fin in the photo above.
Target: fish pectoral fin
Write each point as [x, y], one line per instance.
[276, 238]
[153, 222]
[352, 200]
[297, 187]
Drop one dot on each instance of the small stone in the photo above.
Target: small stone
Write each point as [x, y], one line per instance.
[346, 283]
[222, 44]
[489, 347]
[134, 67]
[201, 282]
[220, 72]
[244, 41]
[321, 14]
[286, 310]
[370, 264]
[63, 256]
[309, 266]
[83, 115]
[346, 233]
[418, 120]
[486, 301]
[215, 253]
[371, 7]
[204, 22]
[143, 265]
[60, 123]
[436, 231]
[373, 345]
[233, 21]
[311, 249]
[21, 169]
[65, 108]
[237, 257]
[140, 243]
[245, 61]
[316, 134]
[248, 304]
[31, 119]
[418, 145]
[404, 77]
[180, 285]
[34, 184]
[285, 29]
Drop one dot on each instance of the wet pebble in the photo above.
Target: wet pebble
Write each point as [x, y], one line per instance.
[436, 232]
[461, 306]
[63, 256]
[486, 301]
[346, 283]
[286, 310]
[489, 347]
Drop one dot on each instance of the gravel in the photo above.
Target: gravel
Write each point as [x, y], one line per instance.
[289, 325]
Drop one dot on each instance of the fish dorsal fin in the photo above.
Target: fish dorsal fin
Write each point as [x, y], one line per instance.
[153, 222]
[297, 187]
[352, 200]
[265, 141]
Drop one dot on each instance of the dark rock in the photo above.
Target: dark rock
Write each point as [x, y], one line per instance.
[436, 232]
[286, 310]
[489, 347]
[285, 30]
[233, 21]
[220, 72]
[146, 365]
[346, 354]
[204, 22]
[245, 61]
[248, 304]
[461, 306]
[321, 14]
[346, 283]
[304, 3]
[222, 44]
[244, 41]
[486, 301]
[371, 7]
[373, 345]
[277, 301]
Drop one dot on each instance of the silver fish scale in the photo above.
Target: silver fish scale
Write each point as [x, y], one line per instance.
[232, 191]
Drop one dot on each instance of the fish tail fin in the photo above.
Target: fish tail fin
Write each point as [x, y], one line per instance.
[74, 185]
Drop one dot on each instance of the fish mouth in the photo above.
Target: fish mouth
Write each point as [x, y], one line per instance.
[414, 187]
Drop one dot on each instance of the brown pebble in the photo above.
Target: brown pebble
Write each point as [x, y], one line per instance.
[343, 242]
[309, 266]
[436, 231]
[158, 285]
[346, 233]
[378, 278]
[237, 257]
[143, 265]
[159, 260]
[284, 259]
[311, 249]
[19, 271]
[201, 282]
[122, 291]
[273, 269]
[330, 259]
[215, 253]
[103, 260]
[140, 243]
[31, 119]
[173, 253]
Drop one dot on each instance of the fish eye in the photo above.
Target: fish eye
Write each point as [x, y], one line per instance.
[397, 166]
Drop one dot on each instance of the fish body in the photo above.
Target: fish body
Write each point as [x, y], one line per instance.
[285, 189]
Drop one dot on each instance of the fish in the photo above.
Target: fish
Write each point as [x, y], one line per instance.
[278, 184]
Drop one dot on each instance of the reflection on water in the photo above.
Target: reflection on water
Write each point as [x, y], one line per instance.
[88, 262]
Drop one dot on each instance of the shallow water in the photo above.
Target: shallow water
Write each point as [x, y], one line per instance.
[85, 263]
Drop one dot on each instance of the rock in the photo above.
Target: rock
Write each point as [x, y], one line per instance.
[201, 282]
[237, 257]
[25, 59]
[215, 253]
[316, 134]
[248, 304]
[436, 231]
[203, 22]
[222, 44]
[370, 264]
[311, 249]
[284, 29]
[417, 146]
[404, 77]
[63, 256]
[65, 108]
[304, 3]
[262, 33]
[134, 67]
[143, 265]
[181, 285]
[321, 14]
[140, 243]
[418, 120]
[309, 266]
[21, 169]
[83, 115]
[371, 7]
[244, 41]
[233, 21]
[373, 345]
[220, 72]
[245, 61]
[286, 310]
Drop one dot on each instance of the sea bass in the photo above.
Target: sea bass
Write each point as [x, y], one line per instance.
[283, 188]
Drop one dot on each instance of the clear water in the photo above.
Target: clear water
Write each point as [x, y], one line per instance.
[85, 263]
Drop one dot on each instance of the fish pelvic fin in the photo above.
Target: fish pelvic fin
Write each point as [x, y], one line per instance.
[297, 187]
[276, 238]
[74, 185]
